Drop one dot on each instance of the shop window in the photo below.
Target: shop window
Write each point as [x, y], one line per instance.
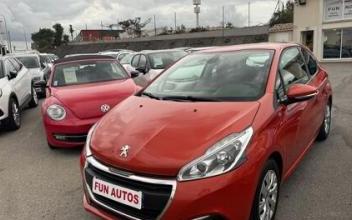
[347, 43]
[337, 43]
[332, 43]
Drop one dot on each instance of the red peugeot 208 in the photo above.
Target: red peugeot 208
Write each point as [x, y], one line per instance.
[81, 90]
[212, 138]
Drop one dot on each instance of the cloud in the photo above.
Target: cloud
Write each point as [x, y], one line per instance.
[30, 15]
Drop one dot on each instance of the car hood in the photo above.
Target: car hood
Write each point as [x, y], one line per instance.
[35, 72]
[85, 101]
[163, 135]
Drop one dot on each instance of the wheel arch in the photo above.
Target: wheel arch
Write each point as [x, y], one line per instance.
[277, 157]
[330, 100]
[13, 96]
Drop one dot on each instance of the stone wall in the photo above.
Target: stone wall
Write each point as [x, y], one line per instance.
[203, 39]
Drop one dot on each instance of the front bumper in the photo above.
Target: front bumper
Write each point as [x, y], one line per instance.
[67, 133]
[228, 196]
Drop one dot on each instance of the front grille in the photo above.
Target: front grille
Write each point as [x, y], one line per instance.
[74, 138]
[155, 196]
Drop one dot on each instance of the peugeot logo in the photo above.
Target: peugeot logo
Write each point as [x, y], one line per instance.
[124, 151]
[105, 108]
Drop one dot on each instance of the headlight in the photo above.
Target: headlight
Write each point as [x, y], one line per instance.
[86, 148]
[221, 158]
[56, 112]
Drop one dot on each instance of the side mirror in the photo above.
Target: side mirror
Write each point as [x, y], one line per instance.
[142, 70]
[300, 93]
[39, 84]
[135, 74]
[12, 75]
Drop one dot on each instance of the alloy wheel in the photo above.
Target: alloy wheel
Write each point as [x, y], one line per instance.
[16, 114]
[327, 119]
[268, 196]
[35, 96]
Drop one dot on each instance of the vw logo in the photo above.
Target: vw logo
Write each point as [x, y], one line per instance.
[124, 151]
[105, 108]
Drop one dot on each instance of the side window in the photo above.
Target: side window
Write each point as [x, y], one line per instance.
[310, 61]
[142, 61]
[279, 88]
[292, 67]
[16, 64]
[135, 61]
[2, 73]
[9, 67]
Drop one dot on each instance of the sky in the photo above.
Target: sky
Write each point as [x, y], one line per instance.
[27, 16]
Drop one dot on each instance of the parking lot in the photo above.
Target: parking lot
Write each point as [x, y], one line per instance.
[39, 183]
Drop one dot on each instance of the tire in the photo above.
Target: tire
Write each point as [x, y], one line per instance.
[267, 194]
[13, 121]
[34, 101]
[326, 125]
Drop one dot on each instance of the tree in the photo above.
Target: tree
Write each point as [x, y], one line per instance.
[133, 26]
[283, 15]
[43, 39]
[66, 39]
[181, 29]
[229, 25]
[199, 29]
[59, 30]
[71, 30]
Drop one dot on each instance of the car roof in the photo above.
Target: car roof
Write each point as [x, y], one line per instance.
[260, 46]
[158, 51]
[83, 57]
[25, 55]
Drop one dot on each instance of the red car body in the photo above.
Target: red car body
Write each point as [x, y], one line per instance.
[164, 136]
[82, 103]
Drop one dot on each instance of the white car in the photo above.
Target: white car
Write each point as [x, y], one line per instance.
[16, 92]
[126, 62]
[150, 63]
[32, 63]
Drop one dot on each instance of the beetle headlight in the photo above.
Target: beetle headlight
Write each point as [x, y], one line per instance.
[56, 112]
[221, 158]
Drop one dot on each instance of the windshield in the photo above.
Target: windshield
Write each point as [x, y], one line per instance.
[127, 59]
[87, 72]
[161, 60]
[227, 76]
[121, 56]
[29, 62]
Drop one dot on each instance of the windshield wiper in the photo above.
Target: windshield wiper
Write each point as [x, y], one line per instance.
[191, 98]
[150, 95]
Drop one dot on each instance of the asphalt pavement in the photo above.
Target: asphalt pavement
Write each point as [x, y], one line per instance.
[39, 183]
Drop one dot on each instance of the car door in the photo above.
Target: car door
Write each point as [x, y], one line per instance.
[135, 61]
[14, 81]
[314, 114]
[292, 71]
[24, 79]
[141, 80]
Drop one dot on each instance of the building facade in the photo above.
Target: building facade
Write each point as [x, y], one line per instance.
[325, 26]
[281, 33]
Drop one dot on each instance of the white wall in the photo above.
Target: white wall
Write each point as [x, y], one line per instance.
[281, 36]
